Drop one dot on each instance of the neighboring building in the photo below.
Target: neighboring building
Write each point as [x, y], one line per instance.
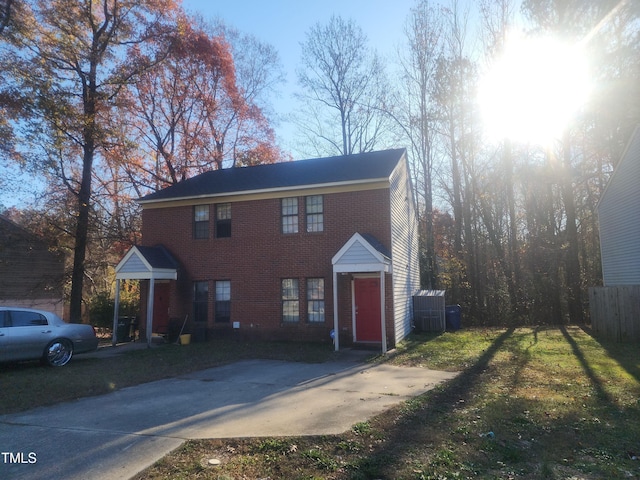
[615, 307]
[31, 275]
[619, 218]
[288, 251]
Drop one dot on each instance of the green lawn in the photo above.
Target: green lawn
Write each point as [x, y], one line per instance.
[529, 403]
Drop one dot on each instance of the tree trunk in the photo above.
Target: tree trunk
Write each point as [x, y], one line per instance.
[81, 237]
[513, 260]
[89, 96]
[574, 295]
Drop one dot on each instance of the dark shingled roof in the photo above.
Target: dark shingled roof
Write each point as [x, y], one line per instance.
[377, 244]
[158, 257]
[317, 171]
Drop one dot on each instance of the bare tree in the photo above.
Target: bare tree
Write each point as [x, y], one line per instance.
[497, 18]
[344, 89]
[415, 113]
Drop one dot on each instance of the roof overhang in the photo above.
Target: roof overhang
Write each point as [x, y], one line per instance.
[266, 193]
[361, 256]
[136, 266]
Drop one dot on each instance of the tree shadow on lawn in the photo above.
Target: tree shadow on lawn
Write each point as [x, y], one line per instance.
[591, 375]
[495, 419]
[410, 431]
[626, 354]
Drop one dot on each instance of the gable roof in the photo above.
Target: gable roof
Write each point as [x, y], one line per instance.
[12, 232]
[146, 263]
[344, 169]
[362, 253]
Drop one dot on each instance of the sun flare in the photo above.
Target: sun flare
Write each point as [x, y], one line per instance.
[531, 92]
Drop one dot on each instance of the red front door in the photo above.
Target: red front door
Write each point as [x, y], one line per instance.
[367, 307]
[161, 308]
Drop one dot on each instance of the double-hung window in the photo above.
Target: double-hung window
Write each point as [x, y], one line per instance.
[290, 300]
[289, 207]
[223, 301]
[223, 220]
[315, 213]
[315, 300]
[201, 221]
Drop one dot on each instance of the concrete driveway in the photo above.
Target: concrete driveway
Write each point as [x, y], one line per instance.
[117, 435]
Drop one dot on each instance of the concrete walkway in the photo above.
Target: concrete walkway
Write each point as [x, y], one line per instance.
[117, 435]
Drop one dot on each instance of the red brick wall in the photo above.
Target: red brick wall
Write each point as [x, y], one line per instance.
[257, 256]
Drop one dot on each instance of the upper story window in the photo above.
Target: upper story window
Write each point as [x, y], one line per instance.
[223, 220]
[289, 215]
[315, 213]
[201, 221]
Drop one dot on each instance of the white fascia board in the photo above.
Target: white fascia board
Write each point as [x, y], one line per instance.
[164, 274]
[134, 276]
[361, 267]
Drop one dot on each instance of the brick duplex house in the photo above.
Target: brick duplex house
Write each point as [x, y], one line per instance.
[289, 251]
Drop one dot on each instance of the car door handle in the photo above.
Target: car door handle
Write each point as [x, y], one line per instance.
[46, 331]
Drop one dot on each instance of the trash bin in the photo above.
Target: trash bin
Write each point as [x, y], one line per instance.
[199, 334]
[123, 333]
[453, 317]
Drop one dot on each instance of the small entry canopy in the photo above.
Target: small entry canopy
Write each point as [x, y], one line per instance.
[144, 263]
[362, 253]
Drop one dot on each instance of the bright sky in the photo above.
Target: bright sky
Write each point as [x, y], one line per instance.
[284, 24]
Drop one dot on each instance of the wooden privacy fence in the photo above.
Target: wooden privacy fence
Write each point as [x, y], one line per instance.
[615, 312]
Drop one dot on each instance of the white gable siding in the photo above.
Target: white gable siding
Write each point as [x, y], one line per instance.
[619, 216]
[404, 249]
[134, 265]
[358, 253]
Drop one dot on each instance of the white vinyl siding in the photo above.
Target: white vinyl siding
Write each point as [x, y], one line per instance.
[404, 249]
[134, 264]
[619, 217]
[358, 254]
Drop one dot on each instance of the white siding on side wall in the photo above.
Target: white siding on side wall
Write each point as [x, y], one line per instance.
[404, 249]
[619, 217]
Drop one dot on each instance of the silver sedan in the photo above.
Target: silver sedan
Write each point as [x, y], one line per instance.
[28, 334]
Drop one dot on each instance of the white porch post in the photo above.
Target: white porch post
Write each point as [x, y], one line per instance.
[336, 335]
[150, 310]
[382, 312]
[116, 308]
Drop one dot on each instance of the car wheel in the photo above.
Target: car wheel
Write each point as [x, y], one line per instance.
[58, 353]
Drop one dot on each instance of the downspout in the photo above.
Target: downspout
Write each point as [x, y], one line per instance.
[336, 333]
[116, 308]
[383, 316]
[152, 283]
